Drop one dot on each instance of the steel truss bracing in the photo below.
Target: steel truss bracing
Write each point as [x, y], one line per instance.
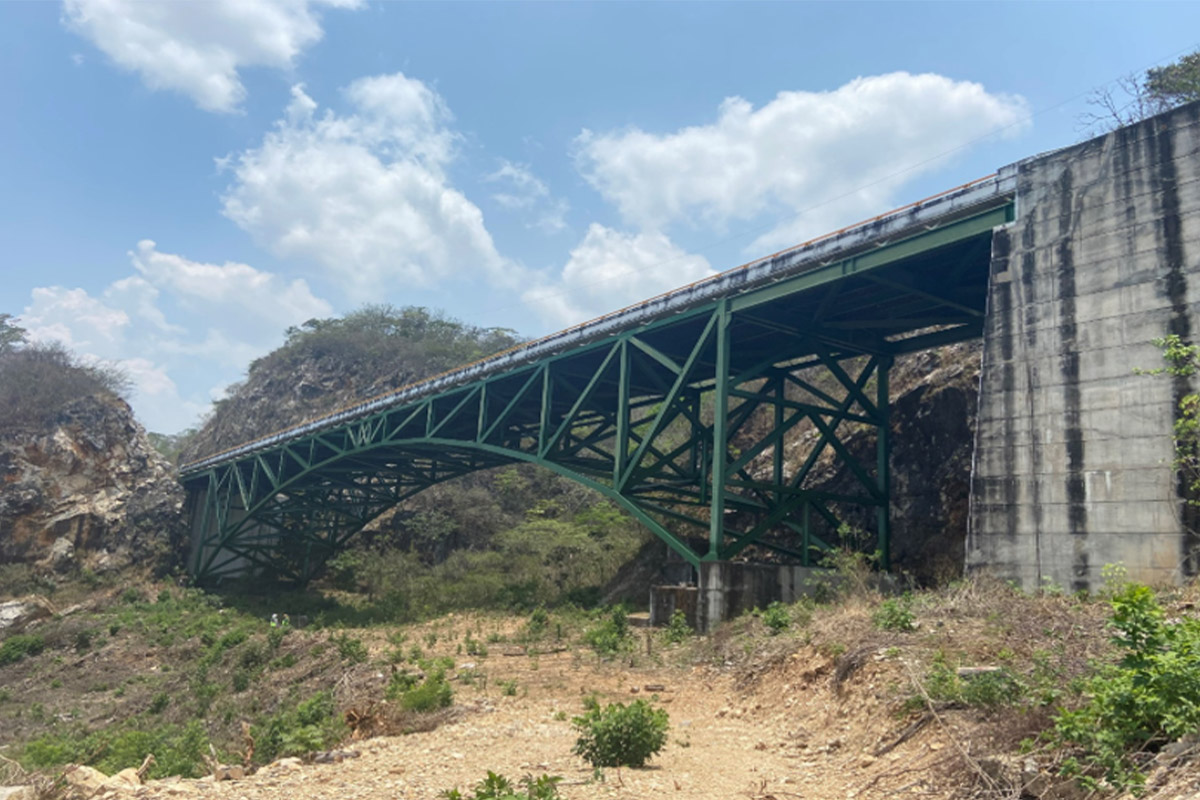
[690, 423]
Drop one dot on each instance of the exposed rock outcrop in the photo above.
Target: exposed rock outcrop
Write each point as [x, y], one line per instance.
[934, 405]
[88, 490]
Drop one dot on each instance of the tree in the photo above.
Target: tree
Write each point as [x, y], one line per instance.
[1136, 97]
[11, 334]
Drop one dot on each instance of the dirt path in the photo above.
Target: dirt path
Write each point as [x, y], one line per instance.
[786, 737]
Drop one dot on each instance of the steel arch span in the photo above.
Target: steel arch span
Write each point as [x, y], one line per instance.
[677, 409]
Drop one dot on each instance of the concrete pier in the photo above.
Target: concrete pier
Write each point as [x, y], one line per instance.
[1073, 458]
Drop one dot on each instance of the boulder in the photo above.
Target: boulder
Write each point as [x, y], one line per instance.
[17, 615]
[86, 779]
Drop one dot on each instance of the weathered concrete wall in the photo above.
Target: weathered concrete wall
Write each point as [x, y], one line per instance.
[1073, 452]
[730, 588]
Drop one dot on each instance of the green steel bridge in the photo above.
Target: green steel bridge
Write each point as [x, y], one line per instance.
[676, 409]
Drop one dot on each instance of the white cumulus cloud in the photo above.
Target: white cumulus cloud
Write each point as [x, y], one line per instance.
[610, 269]
[175, 326]
[197, 48]
[832, 156]
[230, 287]
[364, 195]
[525, 192]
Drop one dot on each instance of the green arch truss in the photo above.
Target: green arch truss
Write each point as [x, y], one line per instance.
[690, 422]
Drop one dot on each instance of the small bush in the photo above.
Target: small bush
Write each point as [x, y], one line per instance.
[497, 787]
[611, 636]
[619, 735]
[678, 630]
[159, 703]
[1151, 696]
[311, 725]
[777, 617]
[429, 695]
[275, 637]
[508, 688]
[351, 649]
[17, 647]
[895, 614]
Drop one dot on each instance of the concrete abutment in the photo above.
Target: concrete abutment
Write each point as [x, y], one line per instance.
[1073, 457]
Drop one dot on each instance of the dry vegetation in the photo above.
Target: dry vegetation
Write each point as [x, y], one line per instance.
[944, 693]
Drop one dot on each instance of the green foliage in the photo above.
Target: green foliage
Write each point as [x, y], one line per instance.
[535, 626]
[508, 688]
[1182, 360]
[429, 695]
[895, 614]
[1150, 697]
[178, 750]
[159, 703]
[611, 635]
[350, 649]
[11, 334]
[1176, 83]
[989, 689]
[311, 725]
[171, 445]
[1137, 96]
[17, 647]
[777, 617]
[619, 735]
[497, 787]
[678, 630]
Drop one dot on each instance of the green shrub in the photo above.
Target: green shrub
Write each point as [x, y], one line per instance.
[178, 750]
[678, 629]
[535, 627]
[619, 735]
[611, 636]
[350, 649]
[311, 725]
[232, 639]
[429, 695]
[275, 637]
[991, 689]
[17, 647]
[497, 787]
[159, 703]
[1150, 697]
[895, 614]
[508, 688]
[777, 617]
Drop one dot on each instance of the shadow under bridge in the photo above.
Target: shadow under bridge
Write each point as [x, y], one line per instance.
[676, 409]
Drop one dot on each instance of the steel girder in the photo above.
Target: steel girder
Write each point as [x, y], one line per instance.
[683, 422]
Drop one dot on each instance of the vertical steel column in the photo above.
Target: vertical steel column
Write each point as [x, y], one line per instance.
[883, 470]
[777, 453]
[544, 421]
[621, 445]
[720, 440]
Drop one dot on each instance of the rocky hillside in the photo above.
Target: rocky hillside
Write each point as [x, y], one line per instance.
[80, 484]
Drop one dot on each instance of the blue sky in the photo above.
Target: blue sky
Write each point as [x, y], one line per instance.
[179, 182]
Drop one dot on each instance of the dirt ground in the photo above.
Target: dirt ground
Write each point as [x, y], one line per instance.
[789, 735]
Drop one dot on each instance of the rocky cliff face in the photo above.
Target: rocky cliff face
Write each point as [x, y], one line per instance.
[88, 490]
